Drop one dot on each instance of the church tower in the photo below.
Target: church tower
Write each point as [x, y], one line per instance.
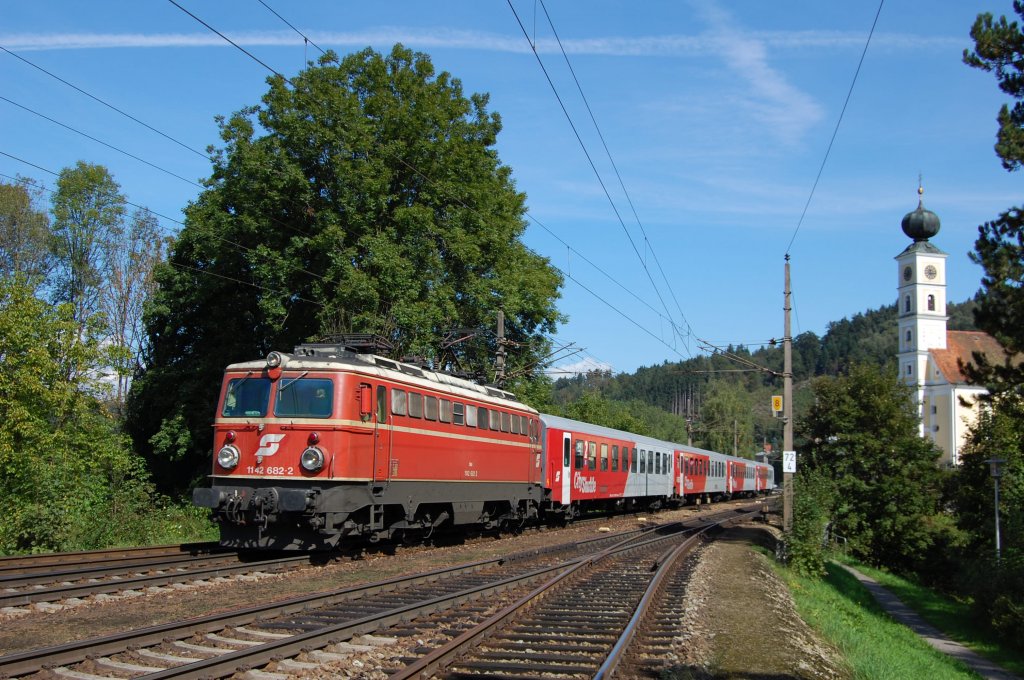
[921, 305]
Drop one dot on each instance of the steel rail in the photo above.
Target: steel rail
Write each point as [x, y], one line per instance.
[41, 575]
[18, 599]
[89, 556]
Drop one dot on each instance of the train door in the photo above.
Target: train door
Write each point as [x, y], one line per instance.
[381, 439]
[566, 468]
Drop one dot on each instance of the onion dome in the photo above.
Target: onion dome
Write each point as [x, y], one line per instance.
[921, 224]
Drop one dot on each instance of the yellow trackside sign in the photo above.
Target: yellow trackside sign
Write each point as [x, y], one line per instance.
[777, 403]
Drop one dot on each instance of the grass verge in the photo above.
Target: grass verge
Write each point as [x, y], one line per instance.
[872, 645]
[953, 618]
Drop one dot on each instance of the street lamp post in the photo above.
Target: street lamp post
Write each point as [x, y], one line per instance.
[996, 470]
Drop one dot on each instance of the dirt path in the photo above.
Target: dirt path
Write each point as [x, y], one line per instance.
[740, 621]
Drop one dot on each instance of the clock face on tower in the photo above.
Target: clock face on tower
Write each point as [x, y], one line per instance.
[930, 272]
[907, 273]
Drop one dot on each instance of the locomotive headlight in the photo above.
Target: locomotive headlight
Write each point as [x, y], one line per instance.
[228, 457]
[312, 459]
[274, 359]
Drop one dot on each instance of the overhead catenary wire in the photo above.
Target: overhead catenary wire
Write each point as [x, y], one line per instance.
[615, 167]
[593, 165]
[828, 150]
[167, 231]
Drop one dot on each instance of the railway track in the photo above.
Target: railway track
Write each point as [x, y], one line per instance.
[297, 635]
[26, 580]
[68, 577]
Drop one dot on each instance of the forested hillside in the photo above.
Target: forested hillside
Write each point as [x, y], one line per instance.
[725, 406]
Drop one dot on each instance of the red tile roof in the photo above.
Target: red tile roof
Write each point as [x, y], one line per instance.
[960, 347]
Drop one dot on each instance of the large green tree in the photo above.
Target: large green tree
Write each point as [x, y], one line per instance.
[67, 475]
[88, 207]
[862, 433]
[24, 233]
[362, 195]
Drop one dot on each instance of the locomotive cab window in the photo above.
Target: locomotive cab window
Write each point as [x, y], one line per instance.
[398, 402]
[305, 398]
[246, 397]
[382, 404]
[415, 404]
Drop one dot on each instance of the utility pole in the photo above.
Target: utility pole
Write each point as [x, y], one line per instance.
[787, 412]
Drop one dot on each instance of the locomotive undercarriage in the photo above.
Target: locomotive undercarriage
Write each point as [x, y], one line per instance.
[297, 516]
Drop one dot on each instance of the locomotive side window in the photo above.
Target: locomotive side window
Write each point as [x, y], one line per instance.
[482, 418]
[458, 413]
[615, 457]
[430, 408]
[305, 397]
[398, 402]
[578, 463]
[246, 397]
[591, 455]
[470, 415]
[515, 424]
[604, 457]
[506, 422]
[524, 424]
[415, 404]
[495, 420]
[382, 404]
[446, 411]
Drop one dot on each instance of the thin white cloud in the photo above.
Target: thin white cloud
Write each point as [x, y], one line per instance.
[769, 97]
[642, 46]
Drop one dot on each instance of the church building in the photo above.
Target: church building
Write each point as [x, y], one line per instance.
[930, 357]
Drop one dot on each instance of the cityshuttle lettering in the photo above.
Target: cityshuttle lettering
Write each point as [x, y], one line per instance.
[584, 484]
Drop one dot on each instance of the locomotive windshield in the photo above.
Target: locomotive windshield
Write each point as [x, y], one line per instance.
[305, 397]
[246, 397]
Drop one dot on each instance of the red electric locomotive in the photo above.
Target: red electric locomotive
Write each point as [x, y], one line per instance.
[327, 443]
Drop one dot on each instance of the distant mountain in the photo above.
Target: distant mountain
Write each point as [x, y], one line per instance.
[721, 402]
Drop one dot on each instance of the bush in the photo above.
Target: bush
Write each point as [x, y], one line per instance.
[813, 502]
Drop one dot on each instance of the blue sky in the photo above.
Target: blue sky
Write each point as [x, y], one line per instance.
[717, 116]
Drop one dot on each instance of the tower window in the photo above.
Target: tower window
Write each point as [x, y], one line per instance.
[931, 303]
[906, 304]
[910, 369]
[908, 337]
